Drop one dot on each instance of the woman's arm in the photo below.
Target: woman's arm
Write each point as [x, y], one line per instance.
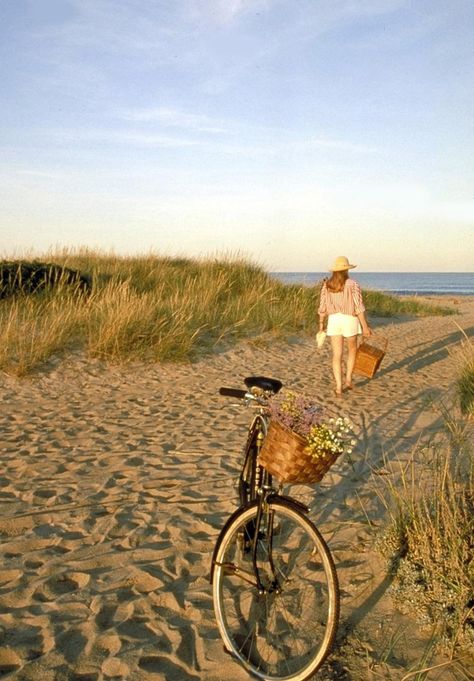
[366, 330]
[359, 308]
[322, 310]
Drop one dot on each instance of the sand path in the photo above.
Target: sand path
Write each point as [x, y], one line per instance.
[114, 483]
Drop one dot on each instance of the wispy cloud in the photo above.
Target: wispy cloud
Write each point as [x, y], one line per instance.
[41, 174]
[225, 12]
[271, 139]
[338, 144]
[149, 140]
[174, 118]
[119, 137]
[132, 28]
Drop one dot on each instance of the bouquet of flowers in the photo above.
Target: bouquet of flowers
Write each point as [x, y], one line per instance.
[332, 437]
[322, 440]
[295, 412]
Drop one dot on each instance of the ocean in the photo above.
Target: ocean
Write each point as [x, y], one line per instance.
[398, 283]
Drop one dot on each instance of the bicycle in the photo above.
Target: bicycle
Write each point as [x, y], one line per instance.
[275, 587]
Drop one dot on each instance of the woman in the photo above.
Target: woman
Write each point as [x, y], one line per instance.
[341, 301]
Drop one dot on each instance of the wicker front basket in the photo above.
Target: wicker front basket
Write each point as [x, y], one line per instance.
[284, 455]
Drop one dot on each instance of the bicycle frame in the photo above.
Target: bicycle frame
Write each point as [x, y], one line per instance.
[251, 474]
[255, 487]
[261, 502]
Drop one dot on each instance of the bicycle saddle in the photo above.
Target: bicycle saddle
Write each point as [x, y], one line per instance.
[264, 383]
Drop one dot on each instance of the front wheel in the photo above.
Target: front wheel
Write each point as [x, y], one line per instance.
[285, 630]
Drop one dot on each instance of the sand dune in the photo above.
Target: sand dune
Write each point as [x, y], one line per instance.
[114, 483]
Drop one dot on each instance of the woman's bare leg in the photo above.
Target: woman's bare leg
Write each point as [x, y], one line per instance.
[351, 356]
[337, 343]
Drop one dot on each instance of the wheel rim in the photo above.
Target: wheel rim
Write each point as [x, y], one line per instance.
[285, 632]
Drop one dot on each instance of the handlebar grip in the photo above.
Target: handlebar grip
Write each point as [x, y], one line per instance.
[233, 392]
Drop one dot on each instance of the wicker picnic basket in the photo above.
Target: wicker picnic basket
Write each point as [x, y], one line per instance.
[370, 355]
[284, 455]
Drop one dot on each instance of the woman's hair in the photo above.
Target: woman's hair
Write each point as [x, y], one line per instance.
[336, 281]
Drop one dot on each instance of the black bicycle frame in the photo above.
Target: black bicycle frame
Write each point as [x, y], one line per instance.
[248, 477]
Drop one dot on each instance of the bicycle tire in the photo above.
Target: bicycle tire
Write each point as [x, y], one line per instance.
[283, 636]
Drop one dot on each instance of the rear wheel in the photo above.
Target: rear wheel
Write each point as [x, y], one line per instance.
[285, 631]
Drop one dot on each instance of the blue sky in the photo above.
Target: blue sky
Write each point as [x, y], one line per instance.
[288, 131]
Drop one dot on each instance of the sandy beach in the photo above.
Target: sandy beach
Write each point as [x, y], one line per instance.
[115, 481]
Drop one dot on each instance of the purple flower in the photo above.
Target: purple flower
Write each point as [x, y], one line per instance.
[295, 412]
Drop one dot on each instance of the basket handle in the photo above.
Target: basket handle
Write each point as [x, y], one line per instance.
[378, 337]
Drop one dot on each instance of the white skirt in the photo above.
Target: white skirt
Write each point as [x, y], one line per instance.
[343, 325]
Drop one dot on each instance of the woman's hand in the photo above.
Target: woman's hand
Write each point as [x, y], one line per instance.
[366, 330]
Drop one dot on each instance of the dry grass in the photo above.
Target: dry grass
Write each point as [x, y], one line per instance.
[429, 540]
[34, 329]
[155, 308]
[465, 381]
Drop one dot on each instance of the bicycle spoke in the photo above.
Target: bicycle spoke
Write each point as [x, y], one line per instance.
[232, 569]
[286, 631]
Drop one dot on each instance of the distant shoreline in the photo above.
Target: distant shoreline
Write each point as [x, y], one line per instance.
[427, 294]
[403, 284]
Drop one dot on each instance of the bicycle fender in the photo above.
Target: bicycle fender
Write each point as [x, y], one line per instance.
[223, 531]
[283, 500]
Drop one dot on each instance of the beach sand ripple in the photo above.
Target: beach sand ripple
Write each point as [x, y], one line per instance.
[115, 482]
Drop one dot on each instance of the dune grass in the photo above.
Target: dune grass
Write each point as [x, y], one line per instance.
[35, 328]
[429, 537]
[465, 381]
[154, 308]
[384, 305]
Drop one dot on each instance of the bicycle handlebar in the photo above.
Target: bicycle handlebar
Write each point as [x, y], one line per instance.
[233, 392]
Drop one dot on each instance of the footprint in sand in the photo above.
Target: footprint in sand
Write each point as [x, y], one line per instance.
[85, 673]
[108, 642]
[8, 576]
[134, 461]
[72, 643]
[158, 664]
[105, 616]
[14, 527]
[6, 495]
[9, 661]
[112, 667]
[57, 549]
[62, 584]
[45, 493]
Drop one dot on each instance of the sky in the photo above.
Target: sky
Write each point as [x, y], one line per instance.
[284, 131]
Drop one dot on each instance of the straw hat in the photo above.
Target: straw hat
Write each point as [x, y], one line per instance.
[341, 263]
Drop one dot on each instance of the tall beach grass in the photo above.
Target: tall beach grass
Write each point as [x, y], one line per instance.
[154, 308]
[465, 379]
[429, 536]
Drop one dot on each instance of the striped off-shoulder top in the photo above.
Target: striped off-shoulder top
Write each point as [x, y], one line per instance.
[348, 301]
